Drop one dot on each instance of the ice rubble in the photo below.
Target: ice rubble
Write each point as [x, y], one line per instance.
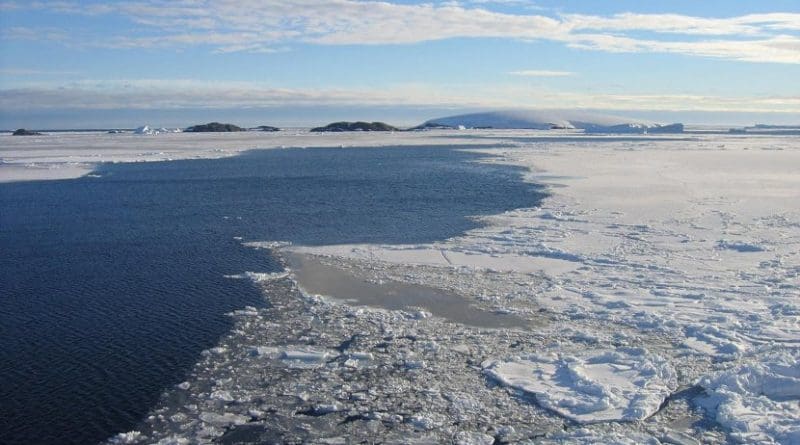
[621, 384]
[758, 402]
[314, 369]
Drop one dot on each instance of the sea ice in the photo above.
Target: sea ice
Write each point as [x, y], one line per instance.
[648, 251]
[759, 403]
[625, 384]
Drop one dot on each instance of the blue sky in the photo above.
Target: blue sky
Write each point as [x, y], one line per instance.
[302, 62]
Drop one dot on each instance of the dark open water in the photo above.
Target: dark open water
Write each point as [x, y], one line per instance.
[110, 287]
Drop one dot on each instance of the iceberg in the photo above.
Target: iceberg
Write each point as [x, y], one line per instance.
[145, 129]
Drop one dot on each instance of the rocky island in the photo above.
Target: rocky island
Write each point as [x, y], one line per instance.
[24, 132]
[355, 126]
[213, 127]
[265, 128]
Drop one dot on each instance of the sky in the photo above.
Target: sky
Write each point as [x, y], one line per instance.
[90, 64]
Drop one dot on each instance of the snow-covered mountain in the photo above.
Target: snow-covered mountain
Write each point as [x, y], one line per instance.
[551, 119]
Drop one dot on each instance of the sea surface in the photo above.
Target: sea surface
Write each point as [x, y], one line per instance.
[111, 285]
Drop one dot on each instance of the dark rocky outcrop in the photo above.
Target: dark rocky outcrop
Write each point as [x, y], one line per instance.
[265, 128]
[24, 132]
[356, 126]
[213, 127]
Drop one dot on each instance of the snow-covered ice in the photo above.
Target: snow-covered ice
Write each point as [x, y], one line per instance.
[693, 242]
[757, 402]
[592, 386]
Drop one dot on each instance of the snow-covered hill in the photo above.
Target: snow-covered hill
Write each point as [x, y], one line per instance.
[551, 119]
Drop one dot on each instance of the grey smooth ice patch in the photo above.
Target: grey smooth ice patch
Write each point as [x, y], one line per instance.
[315, 277]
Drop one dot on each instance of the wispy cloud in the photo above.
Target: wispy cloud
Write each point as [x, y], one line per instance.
[260, 26]
[181, 94]
[749, 25]
[541, 73]
[26, 72]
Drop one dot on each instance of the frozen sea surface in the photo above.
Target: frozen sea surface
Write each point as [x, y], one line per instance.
[112, 284]
[661, 276]
[688, 249]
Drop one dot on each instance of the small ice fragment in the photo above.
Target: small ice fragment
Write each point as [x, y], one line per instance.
[323, 409]
[473, 438]
[361, 355]
[419, 314]
[126, 438]
[223, 420]
[420, 422]
[263, 351]
[304, 356]
[414, 364]
[223, 396]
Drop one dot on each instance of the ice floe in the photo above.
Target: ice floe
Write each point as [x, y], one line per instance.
[693, 243]
[758, 402]
[624, 384]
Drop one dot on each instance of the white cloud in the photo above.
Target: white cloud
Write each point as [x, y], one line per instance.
[541, 73]
[181, 94]
[753, 24]
[259, 26]
[776, 49]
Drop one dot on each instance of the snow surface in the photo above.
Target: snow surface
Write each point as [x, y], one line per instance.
[662, 275]
[592, 386]
[757, 402]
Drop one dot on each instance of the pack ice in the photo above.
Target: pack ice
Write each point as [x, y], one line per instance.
[657, 264]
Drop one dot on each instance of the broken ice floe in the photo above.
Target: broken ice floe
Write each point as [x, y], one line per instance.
[758, 403]
[624, 384]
